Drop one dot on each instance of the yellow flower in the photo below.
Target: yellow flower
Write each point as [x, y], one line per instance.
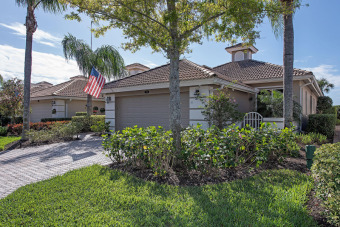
[145, 147]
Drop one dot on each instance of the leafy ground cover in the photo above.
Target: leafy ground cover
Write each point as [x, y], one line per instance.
[7, 140]
[101, 196]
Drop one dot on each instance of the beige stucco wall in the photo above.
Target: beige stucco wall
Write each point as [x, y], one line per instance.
[74, 106]
[307, 97]
[40, 109]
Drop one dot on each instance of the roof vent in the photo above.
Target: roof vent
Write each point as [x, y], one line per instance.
[241, 52]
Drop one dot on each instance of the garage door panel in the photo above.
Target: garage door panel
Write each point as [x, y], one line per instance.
[148, 110]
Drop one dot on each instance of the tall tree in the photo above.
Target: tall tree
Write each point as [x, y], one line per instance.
[1, 80]
[11, 98]
[284, 22]
[325, 85]
[105, 59]
[31, 26]
[171, 26]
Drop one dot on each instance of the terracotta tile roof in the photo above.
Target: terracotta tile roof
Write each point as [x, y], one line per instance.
[137, 65]
[187, 71]
[71, 88]
[254, 70]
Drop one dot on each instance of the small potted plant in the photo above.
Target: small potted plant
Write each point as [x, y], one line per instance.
[95, 110]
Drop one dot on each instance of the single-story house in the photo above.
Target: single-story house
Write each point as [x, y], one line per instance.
[143, 98]
[61, 100]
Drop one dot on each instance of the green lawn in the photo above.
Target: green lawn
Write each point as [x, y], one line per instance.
[98, 196]
[7, 140]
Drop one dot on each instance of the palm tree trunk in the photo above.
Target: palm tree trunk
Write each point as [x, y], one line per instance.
[89, 105]
[31, 26]
[288, 67]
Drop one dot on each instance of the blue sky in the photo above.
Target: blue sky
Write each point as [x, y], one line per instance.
[317, 36]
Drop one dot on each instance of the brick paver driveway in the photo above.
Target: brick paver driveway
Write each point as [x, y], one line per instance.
[24, 166]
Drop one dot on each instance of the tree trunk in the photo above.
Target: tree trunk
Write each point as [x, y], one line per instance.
[173, 54]
[89, 105]
[288, 67]
[31, 26]
[175, 101]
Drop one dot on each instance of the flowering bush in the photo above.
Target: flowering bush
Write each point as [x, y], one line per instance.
[201, 149]
[16, 129]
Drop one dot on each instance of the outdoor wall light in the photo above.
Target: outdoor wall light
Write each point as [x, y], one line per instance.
[108, 99]
[147, 92]
[197, 92]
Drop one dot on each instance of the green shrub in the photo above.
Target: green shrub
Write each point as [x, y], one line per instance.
[86, 122]
[337, 121]
[322, 123]
[56, 132]
[221, 109]
[55, 119]
[81, 113]
[3, 131]
[311, 138]
[101, 127]
[201, 149]
[143, 147]
[324, 104]
[326, 172]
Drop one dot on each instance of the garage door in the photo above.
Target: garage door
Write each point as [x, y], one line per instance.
[148, 110]
[40, 110]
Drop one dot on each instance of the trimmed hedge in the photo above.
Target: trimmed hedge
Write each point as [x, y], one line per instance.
[81, 114]
[3, 131]
[326, 173]
[322, 123]
[55, 119]
[87, 122]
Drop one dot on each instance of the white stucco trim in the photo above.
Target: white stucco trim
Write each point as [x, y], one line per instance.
[260, 81]
[51, 97]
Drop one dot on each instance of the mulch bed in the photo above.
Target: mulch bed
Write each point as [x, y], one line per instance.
[184, 177]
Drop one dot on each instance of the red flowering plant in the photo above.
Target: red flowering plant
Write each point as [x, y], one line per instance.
[11, 98]
[16, 129]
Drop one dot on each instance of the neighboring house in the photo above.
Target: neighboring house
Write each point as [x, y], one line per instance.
[143, 99]
[61, 100]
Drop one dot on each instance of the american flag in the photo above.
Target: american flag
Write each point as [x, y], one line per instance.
[95, 84]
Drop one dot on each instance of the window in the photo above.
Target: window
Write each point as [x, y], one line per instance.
[306, 101]
[311, 104]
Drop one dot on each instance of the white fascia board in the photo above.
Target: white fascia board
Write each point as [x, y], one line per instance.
[186, 83]
[64, 97]
[237, 86]
[260, 81]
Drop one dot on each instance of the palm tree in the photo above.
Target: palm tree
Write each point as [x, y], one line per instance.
[105, 59]
[31, 26]
[285, 23]
[325, 85]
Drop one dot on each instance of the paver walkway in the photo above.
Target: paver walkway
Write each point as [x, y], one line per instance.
[337, 134]
[20, 167]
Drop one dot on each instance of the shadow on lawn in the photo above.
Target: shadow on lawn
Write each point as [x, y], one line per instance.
[263, 200]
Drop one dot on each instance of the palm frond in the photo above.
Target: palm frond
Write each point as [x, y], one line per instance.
[53, 6]
[109, 62]
[81, 52]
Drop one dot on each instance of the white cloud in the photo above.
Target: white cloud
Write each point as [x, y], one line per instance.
[328, 72]
[149, 64]
[39, 36]
[45, 67]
